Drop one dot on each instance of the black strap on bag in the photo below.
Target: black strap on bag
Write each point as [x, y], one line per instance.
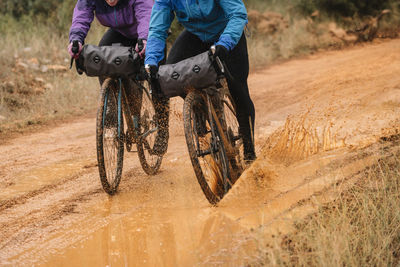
[220, 66]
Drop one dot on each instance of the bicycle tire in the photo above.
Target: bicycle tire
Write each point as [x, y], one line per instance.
[233, 134]
[209, 177]
[109, 137]
[149, 161]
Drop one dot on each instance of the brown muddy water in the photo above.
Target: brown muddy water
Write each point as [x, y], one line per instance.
[318, 126]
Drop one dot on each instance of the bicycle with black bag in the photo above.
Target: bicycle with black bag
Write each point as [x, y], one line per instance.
[209, 114]
[126, 113]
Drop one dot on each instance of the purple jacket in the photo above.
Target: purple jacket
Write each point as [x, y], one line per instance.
[129, 17]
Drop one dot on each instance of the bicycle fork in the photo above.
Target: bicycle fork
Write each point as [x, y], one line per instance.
[228, 147]
[132, 121]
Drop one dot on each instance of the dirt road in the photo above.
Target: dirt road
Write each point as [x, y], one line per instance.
[318, 124]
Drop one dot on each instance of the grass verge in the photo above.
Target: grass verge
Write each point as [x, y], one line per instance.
[279, 31]
[360, 228]
[36, 85]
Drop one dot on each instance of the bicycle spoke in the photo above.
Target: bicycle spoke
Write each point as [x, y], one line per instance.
[147, 134]
[206, 147]
[210, 164]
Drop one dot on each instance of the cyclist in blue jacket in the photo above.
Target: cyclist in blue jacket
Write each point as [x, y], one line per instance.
[207, 23]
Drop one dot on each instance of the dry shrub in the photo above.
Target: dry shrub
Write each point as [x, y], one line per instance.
[267, 22]
[300, 37]
[35, 82]
[282, 30]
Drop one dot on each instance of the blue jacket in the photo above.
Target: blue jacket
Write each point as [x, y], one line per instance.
[213, 21]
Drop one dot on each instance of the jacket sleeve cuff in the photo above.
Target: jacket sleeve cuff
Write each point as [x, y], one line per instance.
[150, 62]
[76, 35]
[226, 41]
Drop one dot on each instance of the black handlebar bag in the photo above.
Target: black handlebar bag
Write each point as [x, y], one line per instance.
[196, 72]
[113, 61]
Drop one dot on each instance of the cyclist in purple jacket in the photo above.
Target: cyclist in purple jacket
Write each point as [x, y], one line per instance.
[128, 22]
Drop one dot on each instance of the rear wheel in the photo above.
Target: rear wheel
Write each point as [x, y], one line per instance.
[148, 129]
[109, 136]
[206, 149]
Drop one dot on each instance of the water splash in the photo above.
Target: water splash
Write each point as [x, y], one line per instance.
[299, 139]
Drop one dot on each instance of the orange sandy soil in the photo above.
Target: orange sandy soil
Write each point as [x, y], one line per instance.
[319, 123]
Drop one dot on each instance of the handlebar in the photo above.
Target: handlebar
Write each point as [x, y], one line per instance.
[75, 50]
[75, 47]
[218, 60]
[140, 44]
[222, 66]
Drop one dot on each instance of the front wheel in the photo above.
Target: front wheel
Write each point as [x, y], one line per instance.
[206, 148]
[109, 136]
[231, 127]
[148, 131]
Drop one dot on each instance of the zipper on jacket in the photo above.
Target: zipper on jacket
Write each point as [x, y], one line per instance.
[115, 17]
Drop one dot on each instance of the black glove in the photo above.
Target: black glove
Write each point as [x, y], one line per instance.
[221, 52]
[141, 47]
[140, 44]
[152, 71]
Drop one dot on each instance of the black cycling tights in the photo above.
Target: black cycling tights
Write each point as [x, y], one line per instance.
[113, 37]
[188, 45]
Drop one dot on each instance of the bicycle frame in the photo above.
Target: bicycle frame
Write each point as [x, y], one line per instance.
[220, 122]
[211, 110]
[123, 107]
[206, 94]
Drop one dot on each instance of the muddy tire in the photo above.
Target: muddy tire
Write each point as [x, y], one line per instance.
[109, 138]
[148, 130]
[232, 131]
[206, 150]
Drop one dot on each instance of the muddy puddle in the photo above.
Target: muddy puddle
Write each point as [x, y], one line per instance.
[36, 178]
[161, 237]
[142, 234]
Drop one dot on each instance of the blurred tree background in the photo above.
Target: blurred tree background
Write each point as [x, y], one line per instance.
[57, 14]
[346, 8]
